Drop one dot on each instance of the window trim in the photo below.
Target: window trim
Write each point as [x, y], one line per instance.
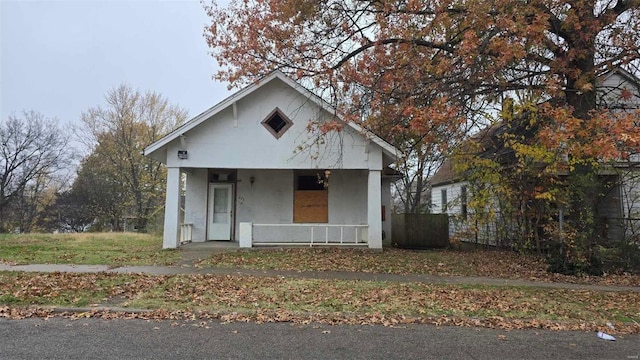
[277, 134]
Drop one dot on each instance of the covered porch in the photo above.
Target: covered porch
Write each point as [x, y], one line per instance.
[277, 207]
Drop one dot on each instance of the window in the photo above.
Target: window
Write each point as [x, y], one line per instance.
[443, 198]
[310, 200]
[222, 175]
[308, 182]
[277, 123]
[463, 201]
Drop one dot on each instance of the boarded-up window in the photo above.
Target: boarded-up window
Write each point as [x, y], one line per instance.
[310, 201]
[311, 206]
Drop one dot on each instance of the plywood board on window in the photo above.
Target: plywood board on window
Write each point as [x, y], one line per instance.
[311, 206]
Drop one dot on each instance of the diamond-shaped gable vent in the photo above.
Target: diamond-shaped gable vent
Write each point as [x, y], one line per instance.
[277, 123]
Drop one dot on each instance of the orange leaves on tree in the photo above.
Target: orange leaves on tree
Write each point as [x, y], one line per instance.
[419, 72]
[606, 136]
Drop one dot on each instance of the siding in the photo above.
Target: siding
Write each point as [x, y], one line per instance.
[454, 198]
[223, 142]
[610, 89]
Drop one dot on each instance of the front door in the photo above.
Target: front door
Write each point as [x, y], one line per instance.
[220, 211]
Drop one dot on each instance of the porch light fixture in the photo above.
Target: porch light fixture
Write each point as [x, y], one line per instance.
[252, 179]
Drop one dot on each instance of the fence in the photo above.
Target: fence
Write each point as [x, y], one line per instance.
[420, 231]
[509, 230]
[302, 234]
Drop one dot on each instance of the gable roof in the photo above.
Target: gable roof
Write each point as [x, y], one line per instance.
[625, 79]
[619, 71]
[489, 144]
[230, 100]
[446, 174]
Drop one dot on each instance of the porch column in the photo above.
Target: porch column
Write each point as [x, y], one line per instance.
[171, 234]
[374, 209]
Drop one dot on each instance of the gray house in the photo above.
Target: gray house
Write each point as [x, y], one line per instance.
[620, 208]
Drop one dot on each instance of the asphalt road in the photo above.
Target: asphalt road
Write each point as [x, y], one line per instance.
[60, 338]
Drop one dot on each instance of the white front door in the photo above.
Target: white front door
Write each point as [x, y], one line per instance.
[220, 211]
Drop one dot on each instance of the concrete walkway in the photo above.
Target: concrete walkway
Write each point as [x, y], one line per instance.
[333, 275]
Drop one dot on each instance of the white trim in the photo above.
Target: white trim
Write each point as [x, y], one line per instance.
[235, 114]
[294, 244]
[620, 71]
[312, 224]
[171, 233]
[214, 229]
[231, 100]
[360, 230]
[374, 207]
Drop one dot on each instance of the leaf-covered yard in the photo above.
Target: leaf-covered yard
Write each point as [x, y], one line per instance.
[495, 264]
[119, 249]
[246, 298]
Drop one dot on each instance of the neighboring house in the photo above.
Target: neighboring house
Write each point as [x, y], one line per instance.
[256, 174]
[620, 207]
[448, 191]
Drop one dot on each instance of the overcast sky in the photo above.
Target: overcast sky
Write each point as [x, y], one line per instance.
[61, 57]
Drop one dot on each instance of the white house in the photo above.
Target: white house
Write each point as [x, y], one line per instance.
[255, 174]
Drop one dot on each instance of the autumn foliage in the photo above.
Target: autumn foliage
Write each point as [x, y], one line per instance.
[426, 61]
[425, 74]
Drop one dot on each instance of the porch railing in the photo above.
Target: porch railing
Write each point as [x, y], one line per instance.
[304, 234]
[186, 233]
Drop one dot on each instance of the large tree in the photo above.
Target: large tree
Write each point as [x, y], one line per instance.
[426, 69]
[117, 133]
[100, 192]
[427, 55]
[33, 150]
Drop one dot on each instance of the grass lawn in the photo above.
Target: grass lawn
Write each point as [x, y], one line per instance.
[86, 248]
[280, 299]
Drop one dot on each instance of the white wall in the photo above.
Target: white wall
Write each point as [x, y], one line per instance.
[348, 197]
[269, 200]
[221, 142]
[454, 192]
[195, 203]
